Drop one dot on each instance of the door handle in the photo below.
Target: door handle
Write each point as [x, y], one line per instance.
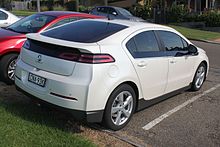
[6, 23]
[142, 64]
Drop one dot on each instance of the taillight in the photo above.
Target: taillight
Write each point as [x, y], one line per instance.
[87, 58]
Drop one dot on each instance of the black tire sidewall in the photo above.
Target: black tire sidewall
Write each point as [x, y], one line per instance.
[194, 88]
[107, 115]
[4, 64]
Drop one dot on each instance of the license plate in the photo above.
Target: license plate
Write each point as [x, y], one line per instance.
[38, 80]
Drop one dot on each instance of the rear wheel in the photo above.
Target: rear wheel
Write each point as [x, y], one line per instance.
[120, 107]
[199, 77]
[7, 68]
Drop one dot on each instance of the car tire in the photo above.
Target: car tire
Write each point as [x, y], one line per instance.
[8, 64]
[120, 107]
[199, 77]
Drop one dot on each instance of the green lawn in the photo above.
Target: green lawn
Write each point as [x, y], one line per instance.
[22, 12]
[23, 124]
[196, 34]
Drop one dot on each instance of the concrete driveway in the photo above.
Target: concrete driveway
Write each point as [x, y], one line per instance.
[188, 119]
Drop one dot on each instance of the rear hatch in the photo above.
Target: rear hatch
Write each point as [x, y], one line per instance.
[59, 49]
[55, 56]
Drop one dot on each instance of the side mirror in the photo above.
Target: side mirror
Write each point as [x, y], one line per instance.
[192, 49]
[114, 13]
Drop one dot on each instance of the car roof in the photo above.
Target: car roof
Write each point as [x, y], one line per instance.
[133, 26]
[109, 7]
[130, 23]
[61, 13]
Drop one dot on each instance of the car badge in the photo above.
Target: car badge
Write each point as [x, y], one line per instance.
[39, 59]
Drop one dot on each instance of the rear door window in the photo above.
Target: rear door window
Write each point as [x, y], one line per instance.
[143, 45]
[3, 16]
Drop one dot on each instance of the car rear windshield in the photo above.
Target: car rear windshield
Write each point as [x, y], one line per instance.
[85, 31]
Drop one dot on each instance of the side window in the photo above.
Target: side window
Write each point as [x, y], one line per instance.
[146, 42]
[63, 21]
[74, 18]
[143, 45]
[112, 11]
[102, 9]
[131, 46]
[185, 44]
[3, 16]
[172, 41]
[60, 22]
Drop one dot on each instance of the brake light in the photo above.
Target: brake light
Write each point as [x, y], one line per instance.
[87, 58]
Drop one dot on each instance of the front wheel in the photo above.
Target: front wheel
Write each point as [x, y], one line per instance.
[199, 77]
[120, 107]
[7, 68]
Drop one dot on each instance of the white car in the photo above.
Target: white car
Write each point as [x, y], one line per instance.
[7, 18]
[106, 70]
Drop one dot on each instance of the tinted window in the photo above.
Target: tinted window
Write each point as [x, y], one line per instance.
[112, 11]
[131, 46]
[85, 31]
[146, 42]
[124, 12]
[102, 9]
[3, 16]
[172, 41]
[185, 44]
[61, 22]
[144, 45]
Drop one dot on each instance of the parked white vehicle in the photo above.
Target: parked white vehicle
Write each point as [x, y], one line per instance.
[7, 18]
[106, 70]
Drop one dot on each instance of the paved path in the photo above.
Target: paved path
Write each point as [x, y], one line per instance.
[194, 121]
[195, 124]
[217, 40]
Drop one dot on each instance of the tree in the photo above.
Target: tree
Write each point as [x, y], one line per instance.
[5, 4]
[38, 5]
[105, 2]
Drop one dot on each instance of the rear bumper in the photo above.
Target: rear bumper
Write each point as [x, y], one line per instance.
[66, 92]
[89, 116]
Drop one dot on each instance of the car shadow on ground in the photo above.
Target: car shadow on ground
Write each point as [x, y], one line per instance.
[21, 106]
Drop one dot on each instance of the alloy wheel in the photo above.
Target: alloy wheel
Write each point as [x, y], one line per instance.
[11, 69]
[200, 76]
[122, 107]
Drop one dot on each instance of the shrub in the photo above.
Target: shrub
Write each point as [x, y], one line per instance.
[177, 13]
[44, 8]
[59, 8]
[211, 18]
[192, 17]
[84, 9]
[71, 5]
[50, 4]
[144, 12]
